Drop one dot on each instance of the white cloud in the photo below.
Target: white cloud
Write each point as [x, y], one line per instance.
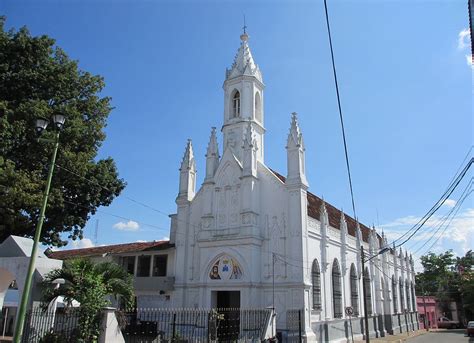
[459, 235]
[165, 238]
[83, 243]
[469, 60]
[449, 203]
[127, 226]
[463, 39]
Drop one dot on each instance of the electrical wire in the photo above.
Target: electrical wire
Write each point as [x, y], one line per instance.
[340, 111]
[454, 210]
[439, 203]
[444, 230]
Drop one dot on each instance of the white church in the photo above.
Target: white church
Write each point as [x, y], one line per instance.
[252, 238]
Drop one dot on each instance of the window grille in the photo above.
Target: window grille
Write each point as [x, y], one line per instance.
[336, 290]
[316, 279]
[395, 299]
[368, 291]
[407, 289]
[354, 291]
[402, 296]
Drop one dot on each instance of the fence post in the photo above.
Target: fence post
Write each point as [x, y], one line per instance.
[109, 329]
[174, 326]
[299, 326]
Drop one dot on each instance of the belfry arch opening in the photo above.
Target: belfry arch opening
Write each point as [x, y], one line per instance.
[235, 106]
[258, 107]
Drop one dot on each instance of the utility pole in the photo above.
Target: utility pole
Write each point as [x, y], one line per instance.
[273, 281]
[366, 318]
[424, 306]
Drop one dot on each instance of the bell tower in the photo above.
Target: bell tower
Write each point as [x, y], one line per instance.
[243, 101]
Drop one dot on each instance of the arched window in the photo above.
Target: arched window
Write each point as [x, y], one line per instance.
[402, 296]
[316, 280]
[354, 291]
[407, 289]
[368, 291]
[394, 296]
[258, 107]
[336, 289]
[236, 104]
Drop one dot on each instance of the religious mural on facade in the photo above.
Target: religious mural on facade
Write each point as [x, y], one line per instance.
[225, 268]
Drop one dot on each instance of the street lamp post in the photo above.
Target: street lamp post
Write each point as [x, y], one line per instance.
[363, 260]
[41, 124]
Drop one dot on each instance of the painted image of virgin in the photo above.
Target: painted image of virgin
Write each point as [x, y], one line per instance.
[236, 271]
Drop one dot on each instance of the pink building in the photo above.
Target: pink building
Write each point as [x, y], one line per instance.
[428, 303]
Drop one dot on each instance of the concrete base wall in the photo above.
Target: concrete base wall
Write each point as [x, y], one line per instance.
[339, 330]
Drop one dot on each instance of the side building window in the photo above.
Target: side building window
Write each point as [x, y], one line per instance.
[144, 263]
[128, 263]
[354, 291]
[159, 265]
[394, 291]
[336, 289]
[368, 291]
[316, 280]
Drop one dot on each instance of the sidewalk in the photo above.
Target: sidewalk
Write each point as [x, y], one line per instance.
[395, 338]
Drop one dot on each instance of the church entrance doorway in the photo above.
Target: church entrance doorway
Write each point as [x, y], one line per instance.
[227, 299]
[227, 304]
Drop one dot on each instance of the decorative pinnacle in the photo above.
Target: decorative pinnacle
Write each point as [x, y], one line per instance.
[188, 158]
[212, 147]
[295, 138]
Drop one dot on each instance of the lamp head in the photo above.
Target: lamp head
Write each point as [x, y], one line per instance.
[41, 125]
[58, 120]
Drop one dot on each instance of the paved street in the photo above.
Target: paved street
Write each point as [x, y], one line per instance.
[445, 336]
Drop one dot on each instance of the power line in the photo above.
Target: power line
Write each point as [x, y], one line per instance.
[438, 204]
[432, 245]
[444, 218]
[116, 216]
[442, 198]
[340, 110]
[455, 209]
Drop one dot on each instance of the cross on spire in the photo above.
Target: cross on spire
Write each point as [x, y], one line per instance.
[245, 26]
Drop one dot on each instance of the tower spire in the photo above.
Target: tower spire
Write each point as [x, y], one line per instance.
[296, 154]
[187, 174]
[212, 156]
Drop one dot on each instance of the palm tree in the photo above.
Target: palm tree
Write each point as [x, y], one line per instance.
[91, 285]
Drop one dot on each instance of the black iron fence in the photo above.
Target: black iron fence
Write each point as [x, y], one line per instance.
[194, 325]
[294, 322]
[45, 326]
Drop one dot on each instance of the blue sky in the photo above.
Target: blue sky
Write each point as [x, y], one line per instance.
[406, 91]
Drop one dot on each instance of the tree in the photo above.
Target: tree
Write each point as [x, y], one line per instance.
[464, 267]
[38, 79]
[449, 278]
[91, 285]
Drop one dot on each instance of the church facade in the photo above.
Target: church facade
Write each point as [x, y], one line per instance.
[251, 238]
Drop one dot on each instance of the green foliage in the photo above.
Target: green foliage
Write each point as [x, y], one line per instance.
[38, 79]
[90, 284]
[449, 278]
